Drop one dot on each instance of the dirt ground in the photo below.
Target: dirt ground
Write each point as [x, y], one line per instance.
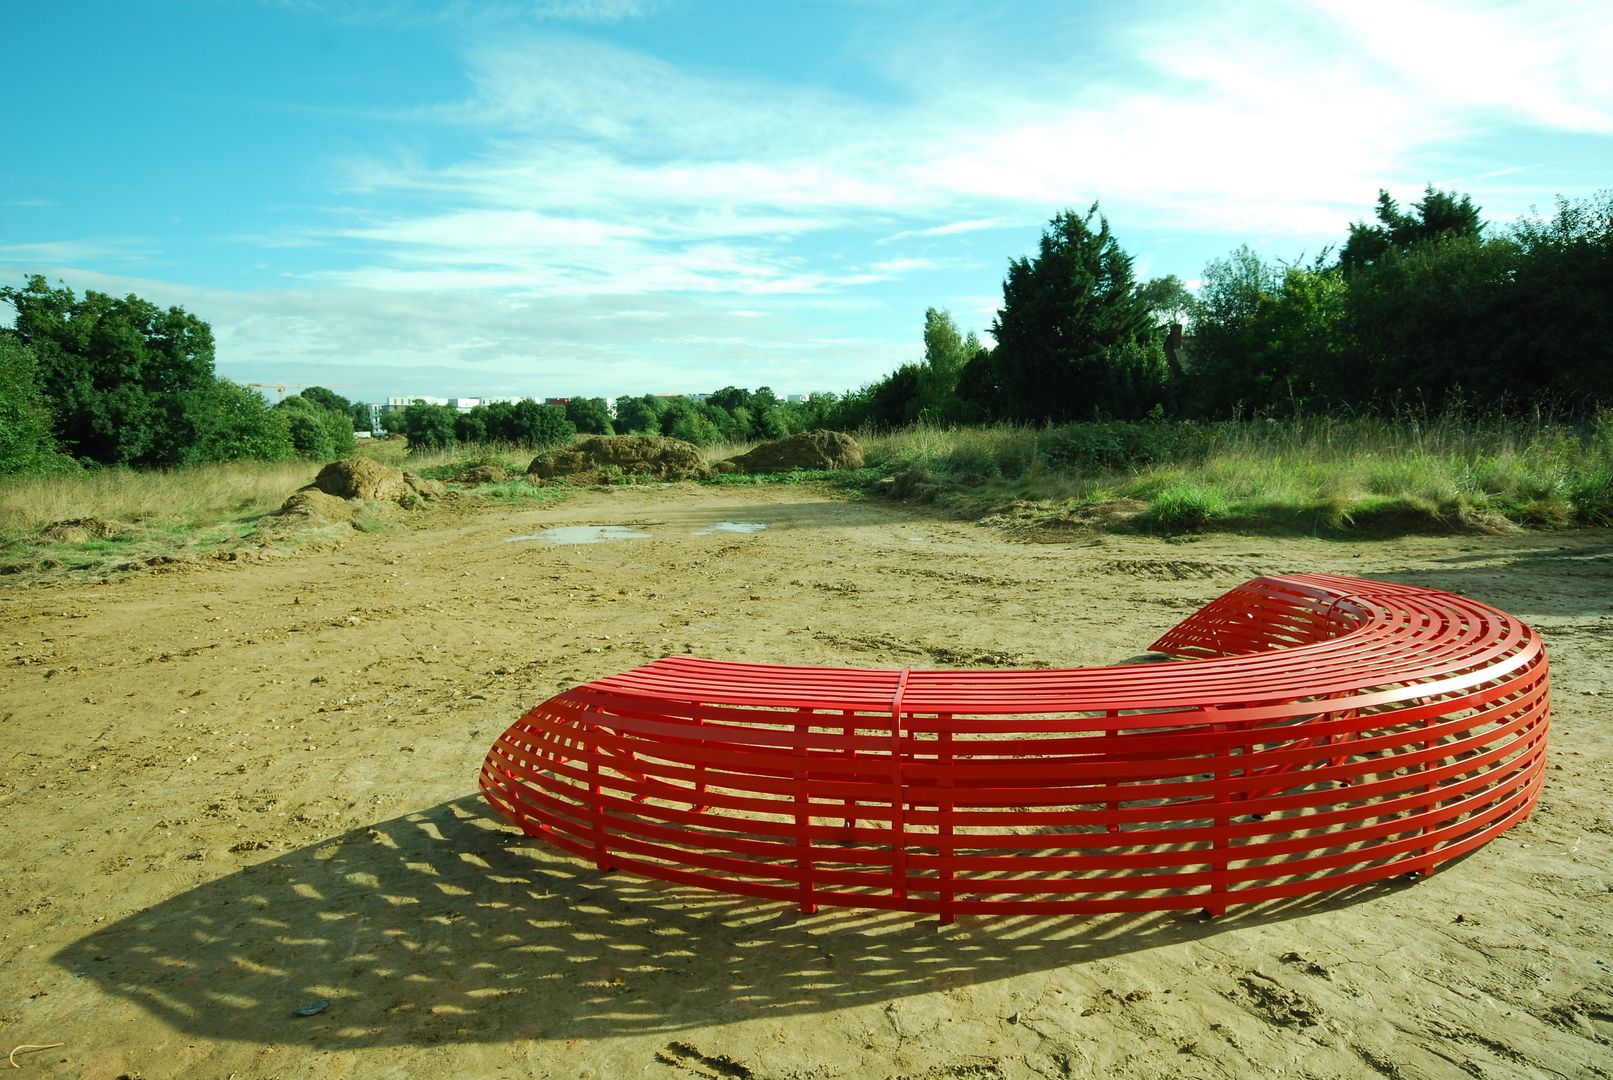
[234, 789]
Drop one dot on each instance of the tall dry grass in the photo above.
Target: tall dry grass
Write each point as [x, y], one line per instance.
[202, 494]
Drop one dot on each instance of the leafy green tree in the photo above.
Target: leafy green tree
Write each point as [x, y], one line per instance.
[328, 399]
[358, 414]
[497, 420]
[692, 426]
[590, 416]
[817, 411]
[246, 428]
[772, 422]
[126, 381]
[1270, 339]
[674, 410]
[1434, 328]
[733, 425]
[534, 425]
[730, 398]
[471, 427]
[639, 415]
[946, 351]
[979, 391]
[1439, 214]
[1167, 299]
[317, 432]
[26, 444]
[893, 402]
[1561, 324]
[427, 427]
[1070, 328]
[1223, 379]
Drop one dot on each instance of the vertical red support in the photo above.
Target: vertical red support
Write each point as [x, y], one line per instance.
[1221, 841]
[1426, 866]
[596, 800]
[1537, 733]
[898, 795]
[944, 845]
[699, 804]
[803, 811]
[1113, 805]
[848, 728]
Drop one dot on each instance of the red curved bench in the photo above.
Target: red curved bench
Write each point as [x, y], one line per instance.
[1323, 732]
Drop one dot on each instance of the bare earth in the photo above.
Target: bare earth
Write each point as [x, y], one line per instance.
[235, 789]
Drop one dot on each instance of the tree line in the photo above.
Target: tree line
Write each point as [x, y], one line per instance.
[1427, 307]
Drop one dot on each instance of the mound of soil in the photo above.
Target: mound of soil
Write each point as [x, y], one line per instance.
[80, 531]
[807, 450]
[484, 474]
[316, 505]
[635, 455]
[369, 481]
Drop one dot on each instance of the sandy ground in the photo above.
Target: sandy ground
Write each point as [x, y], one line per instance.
[236, 789]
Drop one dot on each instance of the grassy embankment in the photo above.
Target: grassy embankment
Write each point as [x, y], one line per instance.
[104, 518]
[1325, 475]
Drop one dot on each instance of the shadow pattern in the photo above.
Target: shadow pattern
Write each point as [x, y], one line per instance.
[446, 926]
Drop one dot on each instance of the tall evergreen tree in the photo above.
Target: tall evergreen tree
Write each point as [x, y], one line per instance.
[1073, 336]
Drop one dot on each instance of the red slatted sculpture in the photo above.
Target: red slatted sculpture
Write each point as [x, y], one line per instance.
[1321, 732]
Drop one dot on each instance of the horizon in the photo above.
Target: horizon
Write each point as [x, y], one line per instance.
[601, 197]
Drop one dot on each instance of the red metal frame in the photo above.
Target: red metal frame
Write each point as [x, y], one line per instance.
[1322, 732]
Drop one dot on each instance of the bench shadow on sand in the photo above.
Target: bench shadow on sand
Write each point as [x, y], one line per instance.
[448, 926]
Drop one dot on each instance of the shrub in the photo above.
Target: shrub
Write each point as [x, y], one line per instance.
[1184, 507]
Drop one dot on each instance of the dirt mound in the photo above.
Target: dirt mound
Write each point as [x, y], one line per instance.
[483, 474]
[361, 478]
[807, 450]
[634, 455]
[81, 531]
[316, 505]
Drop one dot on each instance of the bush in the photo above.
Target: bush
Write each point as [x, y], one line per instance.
[317, 433]
[246, 428]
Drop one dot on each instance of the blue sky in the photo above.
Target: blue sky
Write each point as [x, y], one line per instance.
[560, 197]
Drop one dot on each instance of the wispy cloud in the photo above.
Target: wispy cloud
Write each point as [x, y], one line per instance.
[116, 250]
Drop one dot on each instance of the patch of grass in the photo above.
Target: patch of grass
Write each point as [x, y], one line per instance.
[393, 453]
[520, 491]
[1185, 507]
[452, 463]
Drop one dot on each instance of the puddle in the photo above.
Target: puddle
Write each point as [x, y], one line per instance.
[583, 534]
[732, 527]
